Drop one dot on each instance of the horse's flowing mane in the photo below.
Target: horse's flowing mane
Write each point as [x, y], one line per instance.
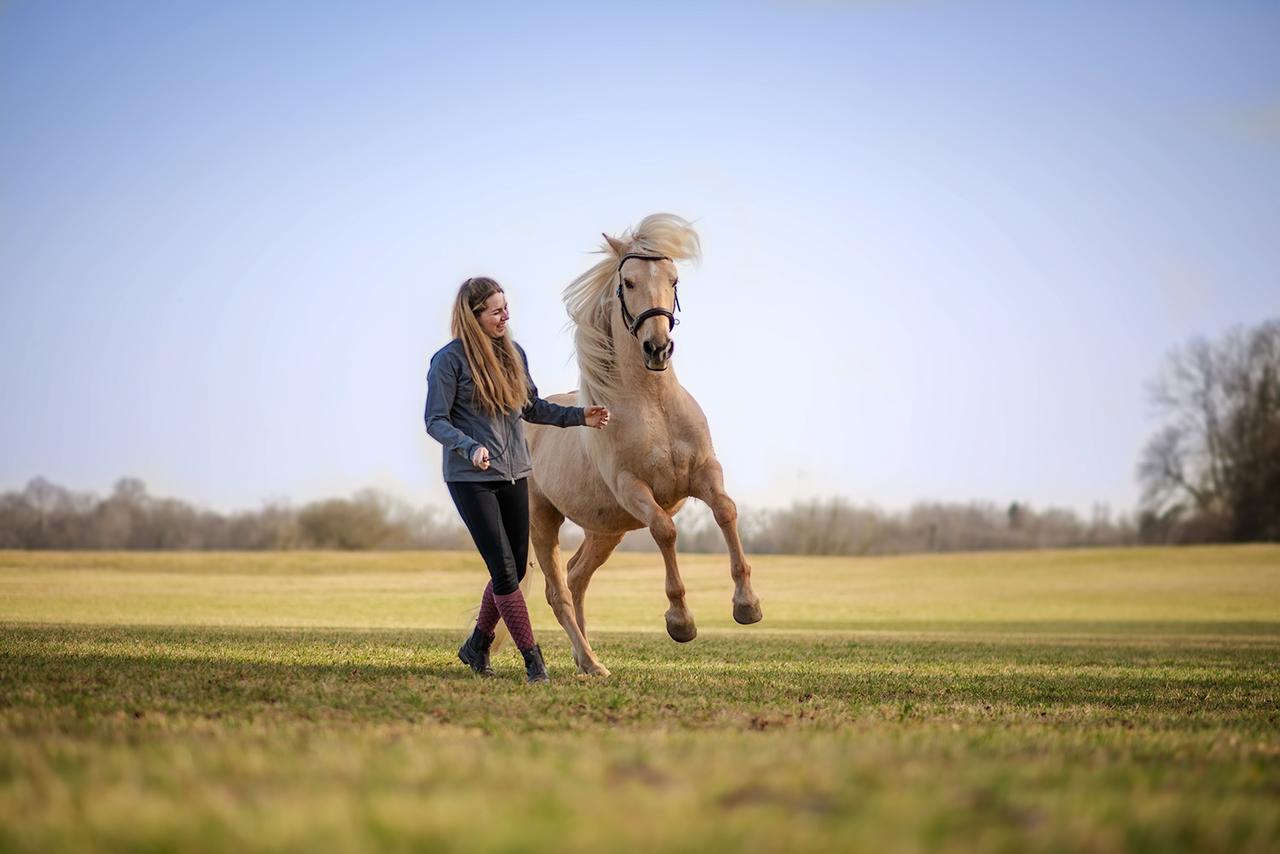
[590, 299]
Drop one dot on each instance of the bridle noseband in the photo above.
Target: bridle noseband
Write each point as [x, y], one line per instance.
[633, 323]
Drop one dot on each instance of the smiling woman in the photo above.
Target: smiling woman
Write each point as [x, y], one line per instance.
[478, 394]
[494, 315]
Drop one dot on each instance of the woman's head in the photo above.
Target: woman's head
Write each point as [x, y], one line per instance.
[480, 321]
[483, 301]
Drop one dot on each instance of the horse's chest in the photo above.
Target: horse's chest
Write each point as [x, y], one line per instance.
[668, 461]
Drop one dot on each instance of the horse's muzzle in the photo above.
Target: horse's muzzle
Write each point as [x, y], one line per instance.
[658, 356]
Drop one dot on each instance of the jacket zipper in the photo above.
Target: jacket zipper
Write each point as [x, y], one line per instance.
[506, 453]
[506, 448]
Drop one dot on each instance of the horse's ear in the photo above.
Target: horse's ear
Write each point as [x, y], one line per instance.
[619, 248]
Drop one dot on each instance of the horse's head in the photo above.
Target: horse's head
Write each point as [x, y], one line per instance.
[624, 308]
[647, 301]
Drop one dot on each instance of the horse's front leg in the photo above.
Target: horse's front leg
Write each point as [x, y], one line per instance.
[636, 498]
[708, 486]
[544, 529]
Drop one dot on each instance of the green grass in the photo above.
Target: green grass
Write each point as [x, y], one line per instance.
[1100, 700]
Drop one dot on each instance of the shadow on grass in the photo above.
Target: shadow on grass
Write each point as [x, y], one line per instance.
[81, 674]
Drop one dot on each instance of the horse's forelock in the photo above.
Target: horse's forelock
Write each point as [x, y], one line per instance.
[666, 234]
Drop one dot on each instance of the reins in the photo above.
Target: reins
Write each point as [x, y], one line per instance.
[633, 323]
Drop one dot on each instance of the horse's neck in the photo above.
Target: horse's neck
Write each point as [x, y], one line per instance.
[638, 382]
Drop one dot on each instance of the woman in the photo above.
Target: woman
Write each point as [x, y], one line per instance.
[478, 390]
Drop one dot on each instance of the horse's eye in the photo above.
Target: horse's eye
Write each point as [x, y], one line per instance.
[629, 285]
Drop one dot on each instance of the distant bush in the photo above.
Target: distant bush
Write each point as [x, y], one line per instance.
[47, 516]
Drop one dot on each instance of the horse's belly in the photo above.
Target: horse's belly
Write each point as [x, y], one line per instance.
[593, 510]
[605, 520]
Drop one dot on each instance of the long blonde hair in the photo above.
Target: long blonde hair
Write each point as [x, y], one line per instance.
[496, 367]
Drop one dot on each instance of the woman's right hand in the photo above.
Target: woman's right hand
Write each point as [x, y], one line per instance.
[480, 459]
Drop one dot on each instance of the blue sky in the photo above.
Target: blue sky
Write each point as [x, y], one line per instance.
[946, 244]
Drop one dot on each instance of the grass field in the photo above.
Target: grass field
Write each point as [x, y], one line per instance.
[1097, 700]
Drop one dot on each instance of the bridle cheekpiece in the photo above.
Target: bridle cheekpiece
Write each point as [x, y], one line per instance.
[633, 323]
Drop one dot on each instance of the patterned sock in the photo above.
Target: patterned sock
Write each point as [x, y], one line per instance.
[488, 619]
[516, 615]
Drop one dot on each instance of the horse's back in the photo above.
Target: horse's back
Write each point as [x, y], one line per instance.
[557, 453]
[565, 398]
[537, 433]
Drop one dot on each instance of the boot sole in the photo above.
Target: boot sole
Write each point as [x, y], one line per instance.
[475, 669]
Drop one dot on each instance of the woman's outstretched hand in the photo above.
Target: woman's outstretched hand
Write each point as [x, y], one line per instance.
[480, 459]
[597, 417]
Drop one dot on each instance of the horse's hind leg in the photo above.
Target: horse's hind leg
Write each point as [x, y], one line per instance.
[708, 486]
[595, 550]
[636, 498]
[544, 528]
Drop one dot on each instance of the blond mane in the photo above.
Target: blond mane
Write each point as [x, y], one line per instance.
[591, 298]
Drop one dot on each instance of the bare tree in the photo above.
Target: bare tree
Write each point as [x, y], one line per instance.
[1212, 471]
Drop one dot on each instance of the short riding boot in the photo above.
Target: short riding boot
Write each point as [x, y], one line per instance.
[534, 665]
[475, 652]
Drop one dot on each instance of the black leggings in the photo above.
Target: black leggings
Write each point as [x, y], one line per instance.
[496, 512]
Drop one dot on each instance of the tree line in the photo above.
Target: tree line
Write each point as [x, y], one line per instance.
[45, 515]
[1210, 473]
[836, 526]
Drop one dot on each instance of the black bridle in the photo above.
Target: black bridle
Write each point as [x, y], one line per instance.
[633, 323]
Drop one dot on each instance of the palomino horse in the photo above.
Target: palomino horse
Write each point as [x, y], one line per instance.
[656, 451]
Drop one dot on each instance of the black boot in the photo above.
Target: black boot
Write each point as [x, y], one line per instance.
[534, 665]
[475, 652]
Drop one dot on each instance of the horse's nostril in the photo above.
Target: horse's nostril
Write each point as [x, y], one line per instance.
[658, 351]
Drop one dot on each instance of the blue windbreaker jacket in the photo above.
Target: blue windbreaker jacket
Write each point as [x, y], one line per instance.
[456, 422]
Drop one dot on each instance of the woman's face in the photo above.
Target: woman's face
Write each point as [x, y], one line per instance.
[493, 315]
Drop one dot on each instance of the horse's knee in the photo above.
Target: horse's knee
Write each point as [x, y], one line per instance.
[663, 530]
[724, 509]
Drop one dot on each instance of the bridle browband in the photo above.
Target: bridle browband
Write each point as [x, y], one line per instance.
[633, 323]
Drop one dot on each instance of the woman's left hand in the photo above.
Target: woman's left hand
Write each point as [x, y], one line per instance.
[597, 417]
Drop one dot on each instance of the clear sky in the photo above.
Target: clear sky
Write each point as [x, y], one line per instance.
[945, 244]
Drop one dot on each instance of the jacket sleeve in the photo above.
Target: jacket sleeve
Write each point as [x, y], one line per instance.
[442, 387]
[539, 411]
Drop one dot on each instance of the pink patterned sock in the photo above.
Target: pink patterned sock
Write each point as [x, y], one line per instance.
[488, 618]
[516, 615]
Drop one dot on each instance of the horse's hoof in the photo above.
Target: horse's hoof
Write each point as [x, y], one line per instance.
[681, 628]
[748, 614]
[594, 669]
